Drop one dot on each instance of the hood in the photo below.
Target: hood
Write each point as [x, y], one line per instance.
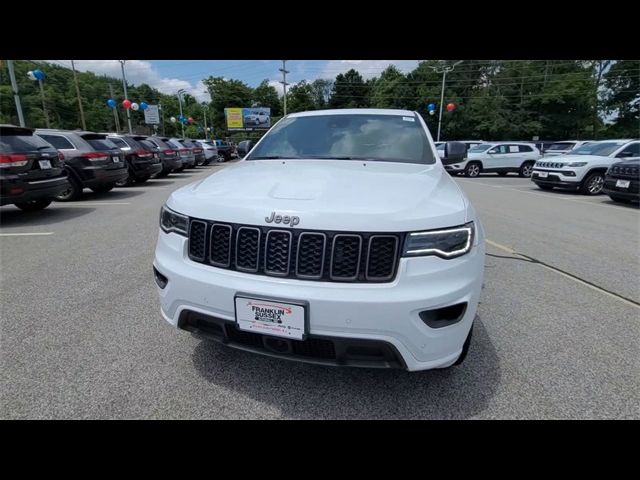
[327, 195]
[567, 158]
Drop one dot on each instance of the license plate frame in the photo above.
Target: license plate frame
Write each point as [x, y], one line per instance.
[542, 174]
[623, 183]
[44, 164]
[115, 159]
[297, 325]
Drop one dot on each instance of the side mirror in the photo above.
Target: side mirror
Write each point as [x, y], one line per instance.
[244, 147]
[454, 152]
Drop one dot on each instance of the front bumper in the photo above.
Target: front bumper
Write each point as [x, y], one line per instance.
[386, 312]
[555, 178]
[632, 192]
[41, 189]
[456, 167]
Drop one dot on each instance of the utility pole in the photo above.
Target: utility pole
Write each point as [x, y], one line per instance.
[16, 96]
[161, 118]
[204, 109]
[115, 111]
[444, 70]
[44, 104]
[180, 92]
[75, 79]
[284, 83]
[126, 96]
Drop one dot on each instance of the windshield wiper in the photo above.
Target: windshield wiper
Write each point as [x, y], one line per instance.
[326, 157]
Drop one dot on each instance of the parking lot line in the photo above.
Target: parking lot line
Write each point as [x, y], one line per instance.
[83, 204]
[547, 195]
[33, 234]
[576, 279]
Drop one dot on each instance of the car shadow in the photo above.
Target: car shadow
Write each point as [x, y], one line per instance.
[154, 183]
[113, 195]
[54, 213]
[305, 391]
[634, 206]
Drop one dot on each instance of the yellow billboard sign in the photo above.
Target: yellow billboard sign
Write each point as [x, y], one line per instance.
[234, 117]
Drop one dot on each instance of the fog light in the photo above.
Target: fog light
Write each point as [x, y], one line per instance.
[16, 190]
[161, 280]
[443, 317]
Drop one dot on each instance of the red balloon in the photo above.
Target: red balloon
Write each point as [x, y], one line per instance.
[126, 104]
[451, 107]
[190, 120]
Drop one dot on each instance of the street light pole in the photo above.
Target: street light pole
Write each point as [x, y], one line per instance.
[284, 84]
[204, 109]
[75, 79]
[126, 96]
[444, 72]
[180, 92]
[16, 96]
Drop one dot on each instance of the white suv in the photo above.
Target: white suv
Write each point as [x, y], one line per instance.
[498, 157]
[584, 168]
[338, 239]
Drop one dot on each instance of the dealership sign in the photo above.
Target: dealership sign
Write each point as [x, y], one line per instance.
[152, 115]
[247, 119]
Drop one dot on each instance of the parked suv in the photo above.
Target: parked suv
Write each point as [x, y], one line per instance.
[224, 150]
[141, 159]
[90, 159]
[622, 181]
[498, 157]
[198, 151]
[584, 168]
[339, 239]
[185, 152]
[31, 173]
[210, 151]
[169, 156]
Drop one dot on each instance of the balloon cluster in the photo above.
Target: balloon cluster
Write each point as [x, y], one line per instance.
[128, 104]
[432, 108]
[35, 74]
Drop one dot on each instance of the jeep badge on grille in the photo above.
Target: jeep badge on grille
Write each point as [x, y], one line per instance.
[285, 219]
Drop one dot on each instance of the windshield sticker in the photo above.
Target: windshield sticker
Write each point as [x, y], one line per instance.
[408, 119]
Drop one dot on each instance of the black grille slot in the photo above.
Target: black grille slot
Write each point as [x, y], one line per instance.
[220, 247]
[381, 257]
[247, 249]
[310, 255]
[345, 257]
[197, 240]
[277, 252]
[315, 347]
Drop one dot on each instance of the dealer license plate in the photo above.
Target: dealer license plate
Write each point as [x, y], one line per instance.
[543, 174]
[44, 164]
[623, 183]
[270, 317]
[115, 159]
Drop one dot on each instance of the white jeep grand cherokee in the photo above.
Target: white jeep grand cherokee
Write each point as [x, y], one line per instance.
[339, 239]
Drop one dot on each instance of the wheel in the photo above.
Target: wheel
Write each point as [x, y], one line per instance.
[102, 188]
[74, 192]
[544, 187]
[123, 183]
[526, 169]
[503, 174]
[33, 205]
[592, 185]
[206, 162]
[465, 348]
[472, 169]
[142, 179]
[617, 198]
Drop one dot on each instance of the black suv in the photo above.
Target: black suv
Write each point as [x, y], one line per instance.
[31, 173]
[142, 160]
[622, 181]
[90, 159]
[169, 155]
[224, 150]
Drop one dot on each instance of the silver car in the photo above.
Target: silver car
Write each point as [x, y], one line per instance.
[498, 157]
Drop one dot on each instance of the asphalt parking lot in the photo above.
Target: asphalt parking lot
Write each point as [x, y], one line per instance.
[557, 333]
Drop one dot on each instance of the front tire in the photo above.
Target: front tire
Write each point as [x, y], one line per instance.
[592, 185]
[465, 348]
[142, 179]
[472, 170]
[74, 192]
[127, 182]
[526, 169]
[33, 205]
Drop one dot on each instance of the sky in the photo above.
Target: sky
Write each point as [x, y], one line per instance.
[168, 76]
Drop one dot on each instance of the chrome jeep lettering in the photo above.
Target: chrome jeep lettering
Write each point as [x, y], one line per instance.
[286, 219]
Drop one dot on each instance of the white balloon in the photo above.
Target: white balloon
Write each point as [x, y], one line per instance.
[135, 107]
[173, 119]
[432, 112]
[31, 75]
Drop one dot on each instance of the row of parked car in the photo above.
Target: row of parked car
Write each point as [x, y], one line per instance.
[42, 165]
[590, 167]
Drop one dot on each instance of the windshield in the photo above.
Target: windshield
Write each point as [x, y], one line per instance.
[388, 138]
[480, 148]
[602, 149]
[560, 146]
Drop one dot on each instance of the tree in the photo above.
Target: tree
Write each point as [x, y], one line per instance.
[266, 95]
[300, 98]
[622, 98]
[349, 91]
[321, 92]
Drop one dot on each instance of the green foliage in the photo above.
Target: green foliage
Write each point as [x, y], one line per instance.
[622, 82]
[349, 91]
[300, 98]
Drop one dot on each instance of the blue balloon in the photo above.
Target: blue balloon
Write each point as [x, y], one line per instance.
[111, 103]
[143, 106]
[39, 74]
[431, 106]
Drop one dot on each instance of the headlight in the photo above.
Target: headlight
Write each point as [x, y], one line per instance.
[444, 243]
[171, 221]
[576, 164]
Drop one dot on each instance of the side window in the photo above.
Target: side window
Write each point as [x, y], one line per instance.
[629, 151]
[525, 148]
[500, 149]
[58, 141]
[118, 142]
